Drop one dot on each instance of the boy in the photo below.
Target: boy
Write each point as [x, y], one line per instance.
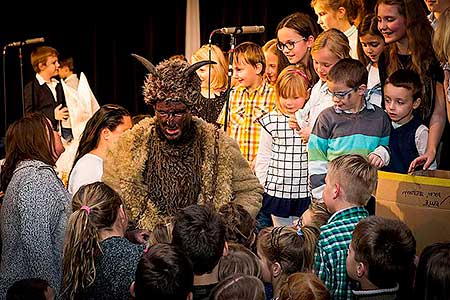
[352, 125]
[381, 259]
[164, 272]
[349, 183]
[66, 72]
[409, 137]
[200, 233]
[250, 100]
[44, 93]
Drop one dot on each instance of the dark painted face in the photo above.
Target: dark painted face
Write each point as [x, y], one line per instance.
[173, 118]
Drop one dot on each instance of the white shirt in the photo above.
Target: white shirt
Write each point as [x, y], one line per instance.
[318, 101]
[372, 80]
[52, 84]
[352, 35]
[88, 169]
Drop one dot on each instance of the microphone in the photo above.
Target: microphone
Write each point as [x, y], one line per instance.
[26, 42]
[241, 29]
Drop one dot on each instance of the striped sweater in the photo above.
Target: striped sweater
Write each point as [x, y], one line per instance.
[337, 133]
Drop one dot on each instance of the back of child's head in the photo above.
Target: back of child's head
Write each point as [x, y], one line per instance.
[304, 286]
[199, 231]
[164, 272]
[349, 71]
[387, 248]
[219, 76]
[40, 55]
[240, 225]
[433, 272]
[30, 288]
[407, 79]
[283, 245]
[352, 7]
[250, 53]
[239, 287]
[368, 26]
[291, 83]
[162, 232]
[335, 41]
[239, 260]
[95, 206]
[356, 176]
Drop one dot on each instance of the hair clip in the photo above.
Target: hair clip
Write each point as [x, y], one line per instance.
[86, 208]
[301, 73]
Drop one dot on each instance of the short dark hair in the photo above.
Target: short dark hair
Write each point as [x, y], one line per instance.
[30, 288]
[433, 272]
[349, 71]
[407, 79]
[387, 247]
[200, 233]
[66, 62]
[240, 225]
[164, 272]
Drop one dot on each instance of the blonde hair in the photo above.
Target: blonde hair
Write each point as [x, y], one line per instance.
[162, 232]
[335, 41]
[352, 7]
[40, 55]
[291, 83]
[304, 286]
[251, 54]
[219, 81]
[356, 176]
[95, 206]
[239, 287]
[441, 39]
[240, 260]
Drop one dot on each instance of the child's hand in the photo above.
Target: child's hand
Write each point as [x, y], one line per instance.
[293, 123]
[61, 113]
[375, 161]
[305, 133]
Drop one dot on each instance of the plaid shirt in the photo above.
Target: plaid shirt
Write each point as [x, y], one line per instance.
[331, 251]
[245, 110]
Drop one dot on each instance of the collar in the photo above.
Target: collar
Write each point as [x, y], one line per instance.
[323, 87]
[42, 81]
[344, 213]
[351, 31]
[261, 89]
[393, 291]
[396, 125]
[366, 105]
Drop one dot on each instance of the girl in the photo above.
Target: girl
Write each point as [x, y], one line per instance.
[296, 34]
[238, 260]
[239, 287]
[329, 47]
[407, 33]
[341, 15]
[304, 286]
[283, 251]
[104, 128]
[213, 82]
[282, 160]
[275, 61]
[370, 47]
[99, 263]
[35, 206]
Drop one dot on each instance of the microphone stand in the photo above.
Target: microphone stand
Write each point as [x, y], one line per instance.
[21, 80]
[230, 73]
[4, 86]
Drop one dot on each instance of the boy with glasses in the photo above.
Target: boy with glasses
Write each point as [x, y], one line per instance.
[352, 126]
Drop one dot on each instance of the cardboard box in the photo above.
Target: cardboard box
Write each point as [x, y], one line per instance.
[421, 201]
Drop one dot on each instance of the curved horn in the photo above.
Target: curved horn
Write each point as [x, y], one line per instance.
[147, 64]
[196, 66]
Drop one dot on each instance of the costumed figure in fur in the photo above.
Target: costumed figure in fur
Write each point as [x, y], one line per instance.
[173, 160]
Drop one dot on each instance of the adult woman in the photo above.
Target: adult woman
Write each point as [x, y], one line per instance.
[35, 206]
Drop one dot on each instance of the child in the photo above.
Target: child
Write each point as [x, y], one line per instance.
[349, 183]
[329, 47]
[370, 47]
[240, 225]
[282, 160]
[381, 258]
[408, 140]
[433, 272]
[239, 287]
[31, 288]
[275, 61]
[283, 251]
[252, 99]
[164, 272]
[341, 15]
[66, 72]
[214, 82]
[99, 262]
[296, 34]
[353, 125]
[304, 286]
[239, 260]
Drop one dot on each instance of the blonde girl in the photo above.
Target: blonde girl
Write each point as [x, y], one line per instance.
[341, 15]
[282, 160]
[275, 61]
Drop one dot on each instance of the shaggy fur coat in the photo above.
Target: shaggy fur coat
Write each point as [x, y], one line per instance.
[148, 172]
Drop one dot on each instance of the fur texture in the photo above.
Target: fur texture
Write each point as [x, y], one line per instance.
[127, 162]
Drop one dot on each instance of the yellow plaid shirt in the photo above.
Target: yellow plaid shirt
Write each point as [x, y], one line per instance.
[245, 110]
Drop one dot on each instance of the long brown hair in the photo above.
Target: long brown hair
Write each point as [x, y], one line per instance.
[30, 137]
[94, 206]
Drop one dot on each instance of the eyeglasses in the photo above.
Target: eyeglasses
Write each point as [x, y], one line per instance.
[174, 114]
[341, 95]
[289, 45]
